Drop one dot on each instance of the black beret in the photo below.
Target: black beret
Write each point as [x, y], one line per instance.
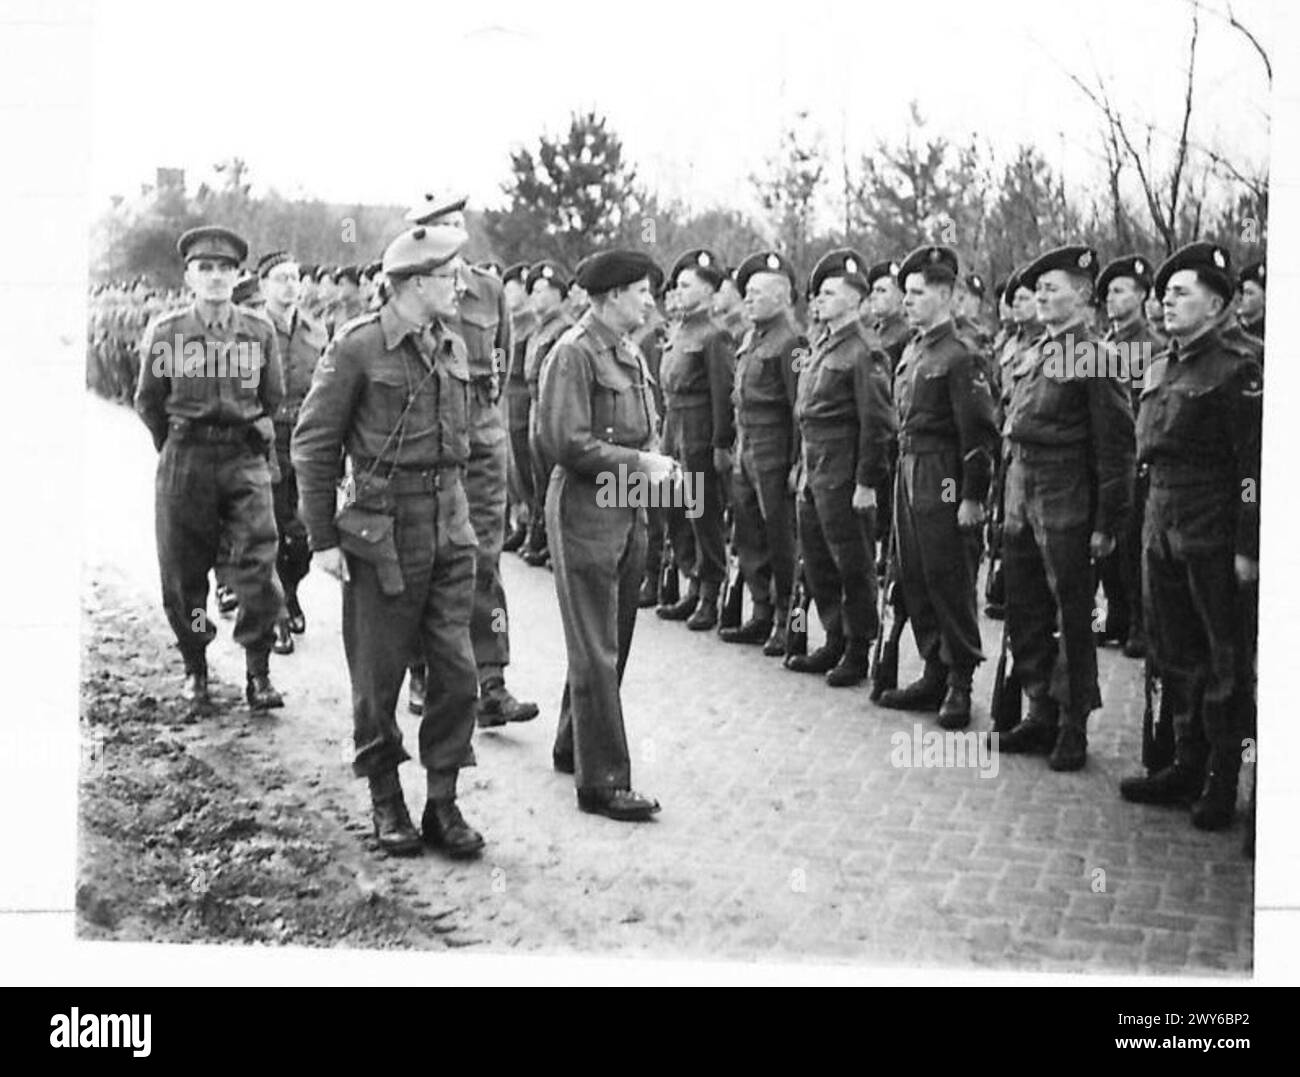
[1000, 290]
[1133, 266]
[926, 257]
[518, 272]
[352, 273]
[883, 269]
[212, 241]
[551, 272]
[269, 261]
[489, 265]
[1210, 261]
[1252, 272]
[607, 270]
[369, 270]
[843, 262]
[325, 273]
[1077, 261]
[975, 284]
[704, 263]
[764, 262]
[306, 271]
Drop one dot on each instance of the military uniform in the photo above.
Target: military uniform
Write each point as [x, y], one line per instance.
[697, 370]
[1121, 572]
[846, 424]
[518, 406]
[946, 441]
[1069, 429]
[1199, 435]
[394, 397]
[206, 391]
[650, 339]
[765, 394]
[301, 342]
[893, 334]
[549, 330]
[595, 416]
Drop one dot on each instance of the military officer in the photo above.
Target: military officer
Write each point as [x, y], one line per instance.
[651, 339]
[327, 293]
[1069, 486]
[767, 448]
[547, 286]
[210, 380]
[846, 425]
[968, 317]
[392, 393]
[886, 306]
[698, 369]
[597, 421]
[1250, 307]
[483, 322]
[1123, 286]
[301, 342]
[523, 321]
[348, 303]
[946, 443]
[307, 290]
[1199, 434]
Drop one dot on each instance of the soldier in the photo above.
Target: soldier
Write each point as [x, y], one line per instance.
[547, 286]
[307, 290]
[886, 305]
[768, 448]
[1069, 485]
[1123, 286]
[523, 321]
[301, 342]
[483, 322]
[596, 420]
[729, 307]
[698, 370]
[651, 339]
[210, 380]
[846, 424]
[1250, 307]
[348, 304]
[326, 297]
[1199, 435]
[968, 318]
[946, 443]
[391, 392]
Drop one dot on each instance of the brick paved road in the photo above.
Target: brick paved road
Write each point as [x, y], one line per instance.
[787, 832]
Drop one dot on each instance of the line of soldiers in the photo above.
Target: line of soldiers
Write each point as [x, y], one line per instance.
[450, 411]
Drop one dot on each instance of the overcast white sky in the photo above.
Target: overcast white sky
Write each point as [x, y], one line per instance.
[376, 101]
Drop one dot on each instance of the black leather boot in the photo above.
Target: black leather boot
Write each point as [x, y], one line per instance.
[926, 693]
[776, 642]
[394, 831]
[824, 659]
[853, 665]
[705, 615]
[283, 642]
[445, 829]
[297, 620]
[1071, 749]
[1037, 733]
[954, 711]
[649, 594]
[756, 630]
[683, 607]
[1217, 804]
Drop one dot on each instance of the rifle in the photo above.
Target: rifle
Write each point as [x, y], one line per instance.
[733, 594]
[669, 590]
[1157, 722]
[1005, 708]
[884, 664]
[796, 635]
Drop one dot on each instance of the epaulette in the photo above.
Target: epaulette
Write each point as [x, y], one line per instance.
[256, 315]
[353, 324]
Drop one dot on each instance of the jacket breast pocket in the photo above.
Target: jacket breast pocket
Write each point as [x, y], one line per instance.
[1190, 409]
[613, 399]
[930, 391]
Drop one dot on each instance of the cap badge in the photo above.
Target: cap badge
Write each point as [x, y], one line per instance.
[1085, 259]
[773, 262]
[703, 259]
[850, 265]
[1219, 260]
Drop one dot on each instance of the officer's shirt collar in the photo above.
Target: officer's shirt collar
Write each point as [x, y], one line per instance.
[1183, 350]
[224, 319]
[943, 328]
[396, 328]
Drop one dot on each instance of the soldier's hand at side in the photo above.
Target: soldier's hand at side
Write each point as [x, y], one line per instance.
[864, 498]
[333, 562]
[722, 461]
[793, 481]
[1100, 545]
[1247, 568]
[657, 466]
[970, 514]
